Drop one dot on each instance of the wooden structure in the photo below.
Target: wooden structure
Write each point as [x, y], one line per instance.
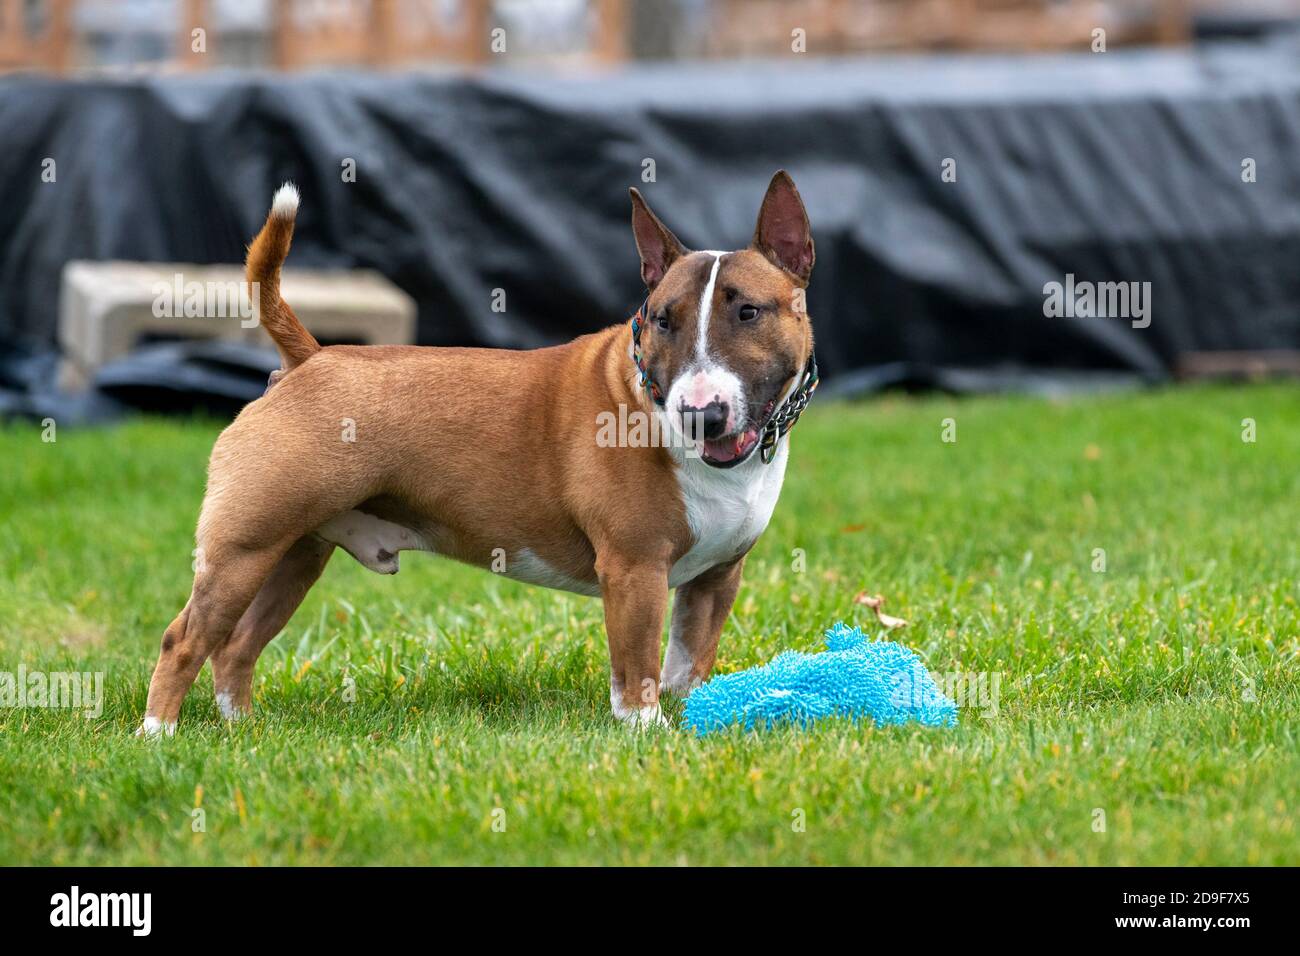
[378, 33]
[763, 27]
[36, 40]
[41, 34]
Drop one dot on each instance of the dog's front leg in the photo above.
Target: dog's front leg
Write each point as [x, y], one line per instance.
[636, 600]
[700, 609]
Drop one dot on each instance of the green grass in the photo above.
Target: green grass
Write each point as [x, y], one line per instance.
[1162, 692]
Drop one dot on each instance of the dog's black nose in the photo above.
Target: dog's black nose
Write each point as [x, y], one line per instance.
[707, 422]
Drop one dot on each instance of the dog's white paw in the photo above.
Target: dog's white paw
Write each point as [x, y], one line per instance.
[678, 675]
[229, 709]
[642, 718]
[154, 727]
[680, 685]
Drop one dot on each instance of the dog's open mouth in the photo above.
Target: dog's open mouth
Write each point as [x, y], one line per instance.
[730, 450]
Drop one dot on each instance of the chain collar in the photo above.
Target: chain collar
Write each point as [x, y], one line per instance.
[647, 381]
[782, 420]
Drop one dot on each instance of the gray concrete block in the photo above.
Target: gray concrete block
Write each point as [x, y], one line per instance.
[107, 309]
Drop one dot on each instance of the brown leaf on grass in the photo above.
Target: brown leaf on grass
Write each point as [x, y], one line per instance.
[877, 604]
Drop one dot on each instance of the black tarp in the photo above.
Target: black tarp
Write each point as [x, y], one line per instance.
[1122, 166]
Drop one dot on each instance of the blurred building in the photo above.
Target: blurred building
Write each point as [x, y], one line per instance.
[77, 35]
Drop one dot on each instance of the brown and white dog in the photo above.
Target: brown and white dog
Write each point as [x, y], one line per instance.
[491, 457]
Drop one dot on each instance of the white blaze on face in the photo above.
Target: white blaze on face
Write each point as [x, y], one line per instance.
[706, 309]
[704, 380]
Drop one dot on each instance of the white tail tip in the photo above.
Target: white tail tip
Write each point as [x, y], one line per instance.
[285, 203]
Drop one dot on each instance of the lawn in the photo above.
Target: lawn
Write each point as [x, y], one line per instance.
[1148, 713]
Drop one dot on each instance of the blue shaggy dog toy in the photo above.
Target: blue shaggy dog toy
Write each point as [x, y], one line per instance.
[854, 677]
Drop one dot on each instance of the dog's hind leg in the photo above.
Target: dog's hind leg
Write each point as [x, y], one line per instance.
[224, 587]
[275, 604]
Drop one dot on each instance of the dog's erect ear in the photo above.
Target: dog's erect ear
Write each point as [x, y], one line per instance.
[783, 233]
[655, 243]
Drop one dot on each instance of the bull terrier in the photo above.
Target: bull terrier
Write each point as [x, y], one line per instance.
[492, 457]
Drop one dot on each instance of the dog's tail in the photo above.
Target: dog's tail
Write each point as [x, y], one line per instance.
[265, 257]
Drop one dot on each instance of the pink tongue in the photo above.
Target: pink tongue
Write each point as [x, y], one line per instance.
[726, 449]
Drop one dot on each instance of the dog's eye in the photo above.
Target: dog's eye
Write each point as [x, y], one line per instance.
[748, 312]
[661, 322]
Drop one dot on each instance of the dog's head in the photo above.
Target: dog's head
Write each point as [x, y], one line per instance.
[727, 334]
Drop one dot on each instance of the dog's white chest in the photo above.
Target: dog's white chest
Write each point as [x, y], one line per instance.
[727, 509]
